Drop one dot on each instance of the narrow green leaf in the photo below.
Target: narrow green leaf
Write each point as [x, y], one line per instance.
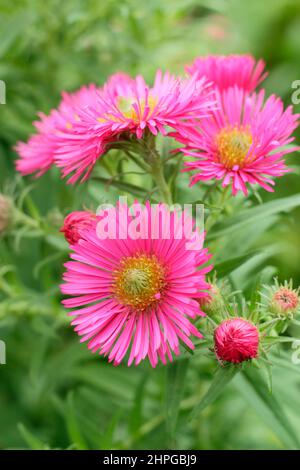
[73, 426]
[222, 377]
[107, 438]
[57, 242]
[131, 188]
[252, 386]
[279, 339]
[31, 440]
[175, 378]
[136, 412]
[254, 215]
[226, 267]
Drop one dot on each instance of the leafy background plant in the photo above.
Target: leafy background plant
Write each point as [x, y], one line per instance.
[53, 392]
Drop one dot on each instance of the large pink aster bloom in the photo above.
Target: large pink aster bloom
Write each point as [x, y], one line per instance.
[136, 106]
[137, 294]
[242, 142]
[227, 71]
[37, 155]
[128, 106]
[82, 143]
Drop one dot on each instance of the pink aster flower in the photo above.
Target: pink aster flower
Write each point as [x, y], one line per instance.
[137, 294]
[227, 71]
[131, 105]
[128, 106]
[81, 144]
[242, 142]
[37, 155]
[236, 340]
[75, 223]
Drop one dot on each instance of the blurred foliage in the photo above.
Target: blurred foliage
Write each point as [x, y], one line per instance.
[53, 392]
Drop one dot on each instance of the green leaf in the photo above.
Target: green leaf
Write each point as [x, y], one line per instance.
[44, 262]
[31, 440]
[127, 187]
[175, 379]
[279, 339]
[254, 215]
[226, 267]
[136, 412]
[107, 438]
[222, 377]
[251, 385]
[73, 425]
[57, 241]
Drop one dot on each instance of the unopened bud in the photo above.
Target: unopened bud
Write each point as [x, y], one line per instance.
[75, 223]
[213, 302]
[281, 299]
[236, 340]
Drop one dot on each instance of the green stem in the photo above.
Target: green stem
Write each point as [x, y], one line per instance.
[214, 216]
[24, 219]
[131, 188]
[156, 164]
[138, 161]
[159, 178]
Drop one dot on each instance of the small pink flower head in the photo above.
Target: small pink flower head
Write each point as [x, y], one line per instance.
[283, 300]
[137, 294]
[243, 142]
[286, 300]
[227, 71]
[127, 107]
[236, 340]
[38, 154]
[75, 223]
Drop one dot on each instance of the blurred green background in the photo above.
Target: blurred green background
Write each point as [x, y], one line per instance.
[53, 393]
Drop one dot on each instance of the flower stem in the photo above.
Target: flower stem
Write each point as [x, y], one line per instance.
[24, 219]
[159, 178]
[156, 165]
[214, 216]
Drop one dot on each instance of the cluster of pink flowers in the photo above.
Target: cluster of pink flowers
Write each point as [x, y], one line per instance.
[232, 132]
[88, 123]
[140, 296]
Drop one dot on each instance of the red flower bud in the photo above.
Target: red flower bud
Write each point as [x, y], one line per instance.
[75, 223]
[236, 340]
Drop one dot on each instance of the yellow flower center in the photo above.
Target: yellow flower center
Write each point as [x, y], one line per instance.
[139, 281]
[233, 147]
[125, 106]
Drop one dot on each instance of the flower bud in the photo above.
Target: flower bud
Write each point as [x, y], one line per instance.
[75, 223]
[6, 209]
[213, 302]
[236, 340]
[281, 299]
[285, 301]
